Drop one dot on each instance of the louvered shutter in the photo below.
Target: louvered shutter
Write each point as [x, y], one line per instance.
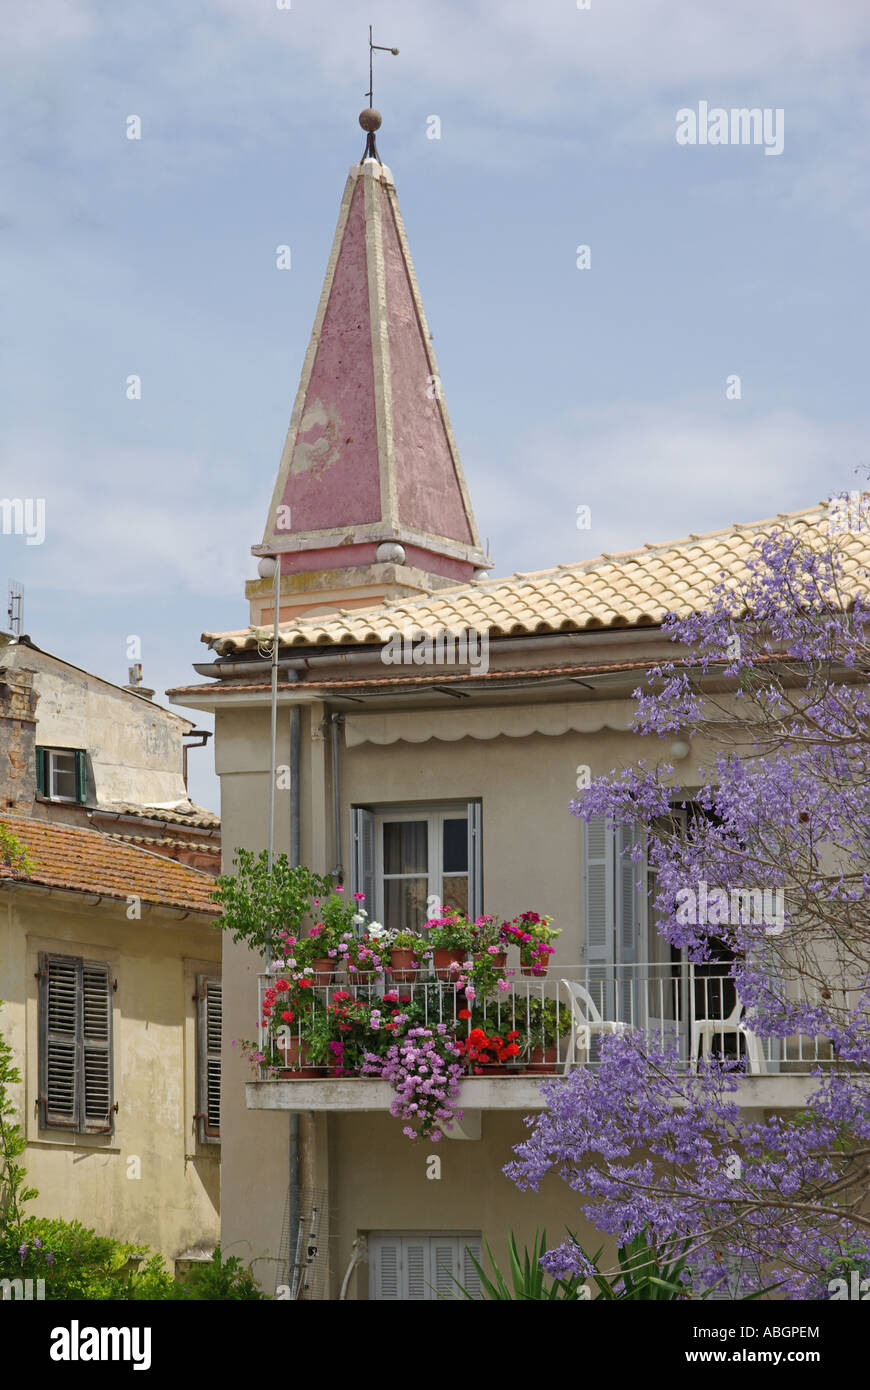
[416, 1271]
[362, 840]
[475, 860]
[209, 1019]
[469, 1277]
[59, 1015]
[598, 947]
[630, 922]
[81, 774]
[76, 1062]
[40, 771]
[96, 1049]
[445, 1268]
[385, 1263]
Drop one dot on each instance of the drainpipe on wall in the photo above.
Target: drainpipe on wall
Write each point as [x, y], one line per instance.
[295, 749]
[335, 720]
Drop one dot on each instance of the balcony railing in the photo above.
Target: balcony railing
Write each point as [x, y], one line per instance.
[554, 1022]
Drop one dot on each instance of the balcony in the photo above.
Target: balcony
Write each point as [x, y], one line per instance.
[554, 1023]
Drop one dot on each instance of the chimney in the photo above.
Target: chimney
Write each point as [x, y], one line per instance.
[17, 740]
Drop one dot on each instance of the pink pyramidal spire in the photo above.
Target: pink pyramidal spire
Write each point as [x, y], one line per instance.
[370, 500]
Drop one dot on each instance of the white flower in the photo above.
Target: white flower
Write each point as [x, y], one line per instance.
[376, 929]
[358, 919]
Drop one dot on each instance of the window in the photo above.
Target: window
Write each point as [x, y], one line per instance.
[416, 1265]
[403, 858]
[62, 773]
[76, 1090]
[208, 1058]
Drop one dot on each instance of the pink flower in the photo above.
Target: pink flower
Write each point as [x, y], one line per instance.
[360, 897]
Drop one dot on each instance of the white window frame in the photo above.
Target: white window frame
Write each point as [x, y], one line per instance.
[52, 755]
[434, 816]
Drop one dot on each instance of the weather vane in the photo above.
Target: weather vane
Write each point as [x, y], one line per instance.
[370, 119]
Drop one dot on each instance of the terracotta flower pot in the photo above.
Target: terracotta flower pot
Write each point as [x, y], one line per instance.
[404, 967]
[538, 971]
[543, 1059]
[296, 1053]
[444, 957]
[497, 960]
[324, 969]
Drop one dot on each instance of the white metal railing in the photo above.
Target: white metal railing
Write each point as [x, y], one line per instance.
[560, 1019]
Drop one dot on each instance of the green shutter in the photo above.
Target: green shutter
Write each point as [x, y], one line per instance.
[40, 771]
[81, 774]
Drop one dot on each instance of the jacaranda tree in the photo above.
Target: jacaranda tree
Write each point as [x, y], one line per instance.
[771, 684]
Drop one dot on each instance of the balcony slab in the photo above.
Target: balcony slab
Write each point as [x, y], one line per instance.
[771, 1092]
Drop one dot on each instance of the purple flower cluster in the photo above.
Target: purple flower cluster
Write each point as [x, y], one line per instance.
[424, 1069]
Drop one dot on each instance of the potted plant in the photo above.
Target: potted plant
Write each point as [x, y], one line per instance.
[406, 951]
[549, 1022]
[533, 934]
[483, 1049]
[340, 916]
[450, 936]
[361, 955]
[487, 941]
[263, 907]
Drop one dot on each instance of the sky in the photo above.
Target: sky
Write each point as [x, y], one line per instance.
[609, 387]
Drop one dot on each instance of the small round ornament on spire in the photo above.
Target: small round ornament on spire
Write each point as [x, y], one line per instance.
[370, 119]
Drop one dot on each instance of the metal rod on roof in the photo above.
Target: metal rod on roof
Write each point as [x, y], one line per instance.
[273, 737]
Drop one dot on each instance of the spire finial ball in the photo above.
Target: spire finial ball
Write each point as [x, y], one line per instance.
[370, 119]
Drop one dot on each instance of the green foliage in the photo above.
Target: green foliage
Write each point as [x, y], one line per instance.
[257, 906]
[527, 1279]
[221, 1279]
[13, 852]
[14, 1191]
[648, 1272]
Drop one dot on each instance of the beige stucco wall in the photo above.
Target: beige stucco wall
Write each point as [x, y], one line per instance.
[134, 746]
[174, 1204]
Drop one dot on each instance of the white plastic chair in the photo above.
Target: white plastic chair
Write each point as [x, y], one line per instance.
[585, 1020]
[704, 1030]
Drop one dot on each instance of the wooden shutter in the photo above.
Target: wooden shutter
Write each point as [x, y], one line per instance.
[416, 1270]
[362, 842]
[96, 1049]
[59, 1014]
[475, 860]
[445, 1267]
[630, 922]
[81, 774]
[40, 771]
[598, 945]
[76, 1060]
[469, 1277]
[209, 1020]
[385, 1264]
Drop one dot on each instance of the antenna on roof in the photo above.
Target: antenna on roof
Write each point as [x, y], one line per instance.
[16, 606]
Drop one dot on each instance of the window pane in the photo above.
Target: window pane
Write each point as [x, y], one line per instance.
[455, 892]
[63, 780]
[456, 846]
[406, 847]
[405, 903]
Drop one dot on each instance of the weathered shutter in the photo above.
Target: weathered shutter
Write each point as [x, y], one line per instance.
[97, 1115]
[362, 840]
[475, 860]
[598, 944]
[40, 771]
[81, 774]
[59, 1015]
[630, 919]
[385, 1265]
[209, 1019]
[469, 1278]
[445, 1268]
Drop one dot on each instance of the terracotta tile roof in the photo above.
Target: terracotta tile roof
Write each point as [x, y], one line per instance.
[85, 861]
[633, 589]
[196, 816]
